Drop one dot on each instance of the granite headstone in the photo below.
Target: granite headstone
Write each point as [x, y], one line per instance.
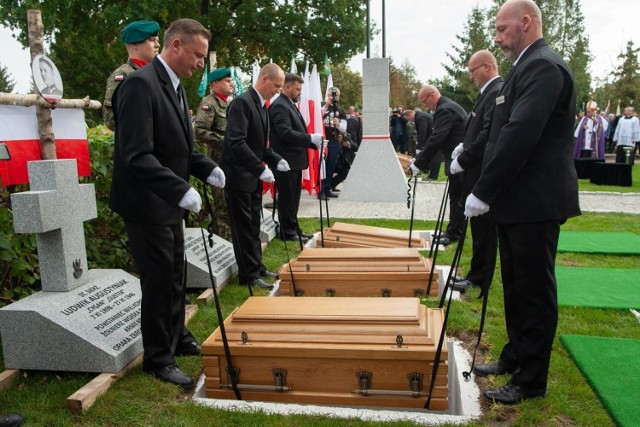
[267, 227]
[83, 320]
[221, 257]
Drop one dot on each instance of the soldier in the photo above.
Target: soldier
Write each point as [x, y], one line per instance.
[210, 125]
[141, 40]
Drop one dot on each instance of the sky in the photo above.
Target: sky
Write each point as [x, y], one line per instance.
[422, 31]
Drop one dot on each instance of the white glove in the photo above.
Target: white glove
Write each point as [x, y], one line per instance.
[455, 167]
[267, 175]
[316, 139]
[414, 169]
[191, 201]
[474, 206]
[217, 178]
[457, 151]
[283, 166]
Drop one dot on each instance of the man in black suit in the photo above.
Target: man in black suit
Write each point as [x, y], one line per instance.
[449, 120]
[529, 183]
[245, 150]
[290, 139]
[153, 159]
[467, 160]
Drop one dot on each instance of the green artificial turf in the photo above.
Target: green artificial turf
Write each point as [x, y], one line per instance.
[620, 243]
[617, 288]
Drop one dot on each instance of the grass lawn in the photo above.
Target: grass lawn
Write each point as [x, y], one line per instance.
[139, 400]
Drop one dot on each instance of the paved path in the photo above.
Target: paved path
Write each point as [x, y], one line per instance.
[429, 196]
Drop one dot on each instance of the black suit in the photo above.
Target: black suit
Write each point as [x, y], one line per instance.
[153, 159]
[483, 232]
[289, 139]
[529, 181]
[449, 120]
[243, 153]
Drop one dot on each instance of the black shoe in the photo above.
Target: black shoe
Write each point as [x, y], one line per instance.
[174, 375]
[270, 275]
[307, 236]
[191, 349]
[510, 394]
[462, 285]
[330, 194]
[293, 238]
[259, 283]
[496, 368]
[11, 420]
[444, 240]
[335, 190]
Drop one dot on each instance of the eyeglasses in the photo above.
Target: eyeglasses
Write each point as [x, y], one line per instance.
[424, 101]
[471, 71]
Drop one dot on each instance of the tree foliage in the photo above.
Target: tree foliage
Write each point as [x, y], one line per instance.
[404, 86]
[6, 82]
[475, 37]
[563, 29]
[84, 34]
[350, 84]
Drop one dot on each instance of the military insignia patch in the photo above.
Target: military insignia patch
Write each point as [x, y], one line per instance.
[118, 77]
[205, 108]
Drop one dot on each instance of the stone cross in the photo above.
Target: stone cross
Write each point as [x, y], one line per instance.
[55, 210]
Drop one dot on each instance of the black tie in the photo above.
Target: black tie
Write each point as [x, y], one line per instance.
[180, 93]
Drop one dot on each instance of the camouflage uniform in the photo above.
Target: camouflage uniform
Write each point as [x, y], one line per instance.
[210, 125]
[412, 138]
[112, 83]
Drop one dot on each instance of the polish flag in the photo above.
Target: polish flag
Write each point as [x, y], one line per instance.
[19, 131]
[314, 125]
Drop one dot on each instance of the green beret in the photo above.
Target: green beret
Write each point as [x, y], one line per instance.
[218, 73]
[139, 31]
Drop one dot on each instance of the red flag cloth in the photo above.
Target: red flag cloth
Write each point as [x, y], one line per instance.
[19, 131]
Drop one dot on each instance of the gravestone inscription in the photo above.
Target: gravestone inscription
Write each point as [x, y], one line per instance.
[221, 257]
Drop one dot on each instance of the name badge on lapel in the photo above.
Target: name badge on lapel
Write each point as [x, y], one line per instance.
[500, 100]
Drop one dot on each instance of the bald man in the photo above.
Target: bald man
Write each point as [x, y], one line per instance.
[449, 121]
[529, 186]
[467, 160]
[244, 152]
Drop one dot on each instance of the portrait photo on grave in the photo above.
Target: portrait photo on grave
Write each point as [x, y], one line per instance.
[47, 78]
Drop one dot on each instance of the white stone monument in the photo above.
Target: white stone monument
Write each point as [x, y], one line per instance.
[376, 174]
[83, 320]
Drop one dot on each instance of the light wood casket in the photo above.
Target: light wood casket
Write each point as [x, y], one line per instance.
[358, 272]
[343, 235]
[336, 351]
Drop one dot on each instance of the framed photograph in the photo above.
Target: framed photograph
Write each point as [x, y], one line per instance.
[47, 78]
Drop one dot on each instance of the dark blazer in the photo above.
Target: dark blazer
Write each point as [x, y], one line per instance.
[245, 145]
[528, 173]
[477, 132]
[449, 120]
[289, 136]
[154, 153]
[424, 127]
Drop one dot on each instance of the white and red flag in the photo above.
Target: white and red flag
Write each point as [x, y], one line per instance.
[19, 131]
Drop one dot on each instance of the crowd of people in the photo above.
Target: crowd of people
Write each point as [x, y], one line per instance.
[600, 132]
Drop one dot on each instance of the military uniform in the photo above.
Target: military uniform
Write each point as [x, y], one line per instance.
[112, 83]
[135, 32]
[210, 125]
[211, 122]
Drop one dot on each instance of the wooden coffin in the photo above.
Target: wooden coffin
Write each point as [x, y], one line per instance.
[335, 351]
[342, 235]
[405, 160]
[358, 272]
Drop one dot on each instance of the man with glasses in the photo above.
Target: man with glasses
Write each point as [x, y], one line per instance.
[449, 121]
[467, 158]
